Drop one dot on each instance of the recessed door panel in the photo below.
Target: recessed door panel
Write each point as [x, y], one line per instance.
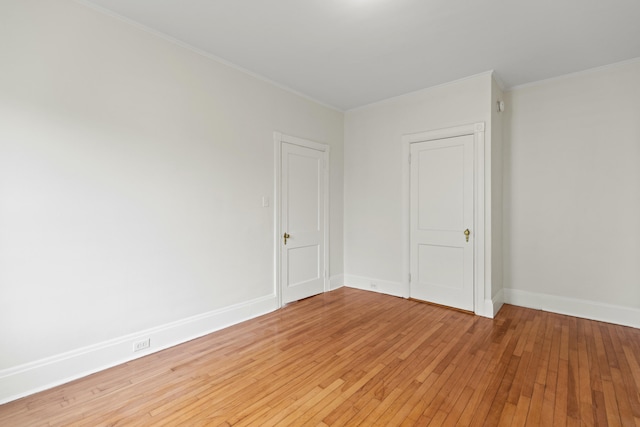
[441, 188]
[303, 192]
[441, 266]
[303, 264]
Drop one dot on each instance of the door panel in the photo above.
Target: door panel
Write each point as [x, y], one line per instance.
[303, 192]
[441, 188]
[441, 265]
[303, 264]
[302, 218]
[441, 209]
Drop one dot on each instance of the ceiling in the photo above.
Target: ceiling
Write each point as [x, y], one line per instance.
[349, 53]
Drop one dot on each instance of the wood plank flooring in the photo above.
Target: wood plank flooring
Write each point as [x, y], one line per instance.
[353, 357]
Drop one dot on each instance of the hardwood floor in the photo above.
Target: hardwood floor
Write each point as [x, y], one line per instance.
[353, 357]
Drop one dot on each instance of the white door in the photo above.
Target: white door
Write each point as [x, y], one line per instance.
[302, 244]
[441, 210]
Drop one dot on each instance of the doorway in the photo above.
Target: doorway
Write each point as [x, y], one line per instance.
[301, 218]
[445, 216]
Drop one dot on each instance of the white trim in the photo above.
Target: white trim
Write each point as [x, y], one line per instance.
[479, 220]
[336, 281]
[492, 306]
[201, 52]
[302, 142]
[374, 285]
[574, 74]
[620, 315]
[278, 139]
[30, 378]
[451, 132]
[478, 131]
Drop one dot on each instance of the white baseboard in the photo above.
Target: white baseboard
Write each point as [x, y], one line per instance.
[398, 289]
[336, 281]
[626, 316]
[30, 378]
[492, 306]
[382, 286]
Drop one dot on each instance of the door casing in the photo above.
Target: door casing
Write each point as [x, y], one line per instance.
[279, 139]
[477, 130]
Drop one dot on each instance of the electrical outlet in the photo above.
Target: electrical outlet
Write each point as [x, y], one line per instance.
[141, 345]
[374, 286]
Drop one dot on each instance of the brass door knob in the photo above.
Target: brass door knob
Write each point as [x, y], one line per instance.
[286, 236]
[466, 234]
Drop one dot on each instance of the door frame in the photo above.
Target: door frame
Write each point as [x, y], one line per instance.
[477, 130]
[278, 139]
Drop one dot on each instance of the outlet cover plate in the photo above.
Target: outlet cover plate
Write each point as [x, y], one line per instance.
[142, 344]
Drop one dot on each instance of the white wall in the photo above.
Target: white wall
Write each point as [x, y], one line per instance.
[572, 194]
[495, 278]
[373, 173]
[131, 177]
